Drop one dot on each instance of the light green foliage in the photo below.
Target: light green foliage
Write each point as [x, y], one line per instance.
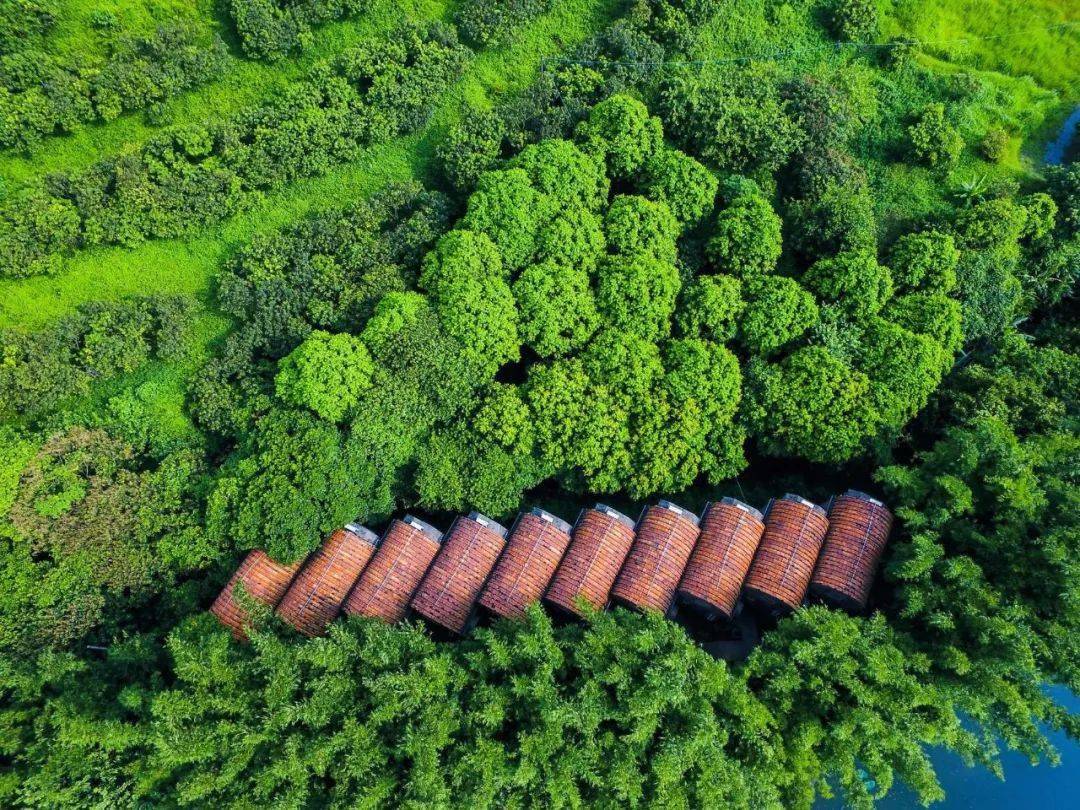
[934, 140]
[904, 369]
[925, 261]
[574, 238]
[637, 227]
[711, 307]
[507, 209]
[558, 310]
[465, 277]
[810, 404]
[573, 422]
[503, 418]
[327, 373]
[638, 294]
[747, 242]
[854, 281]
[688, 188]
[621, 132]
[778, 310]
[567, 176]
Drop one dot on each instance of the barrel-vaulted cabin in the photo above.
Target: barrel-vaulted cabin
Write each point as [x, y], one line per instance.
[391, 577]
[449, 590]
[859, 528]
[536, 545]
[316, 595]
[650, 575]
[264, 581]
[780, 573]
[599, 543]
[712, 581]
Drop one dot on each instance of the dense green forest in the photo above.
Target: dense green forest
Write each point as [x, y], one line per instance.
[270, 266]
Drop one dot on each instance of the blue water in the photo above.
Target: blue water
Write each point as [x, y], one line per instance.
[1043, 786]
[1055, 151]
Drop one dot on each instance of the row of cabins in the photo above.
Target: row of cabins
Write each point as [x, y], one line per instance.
[670, 558]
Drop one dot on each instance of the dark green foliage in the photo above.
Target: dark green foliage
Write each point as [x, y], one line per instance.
[471, 147]
[49, 96]
[862, 701]
[985, 568]
[40, 369]
[854, 20]
[734, 118]
[483, 24]
[326, 274]
[92, 526]
[192, 176]
[301, 479]
[1064, 186]
[811, 405]
[511, 716]
[270, 29]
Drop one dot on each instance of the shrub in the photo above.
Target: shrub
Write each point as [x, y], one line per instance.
[40, 369]
[995, 144]
[270, 29]
[139, 72]
[470, 147]
[854, 20]
[734, 118]
[934, 141]
[483, 24]
[190, 176]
